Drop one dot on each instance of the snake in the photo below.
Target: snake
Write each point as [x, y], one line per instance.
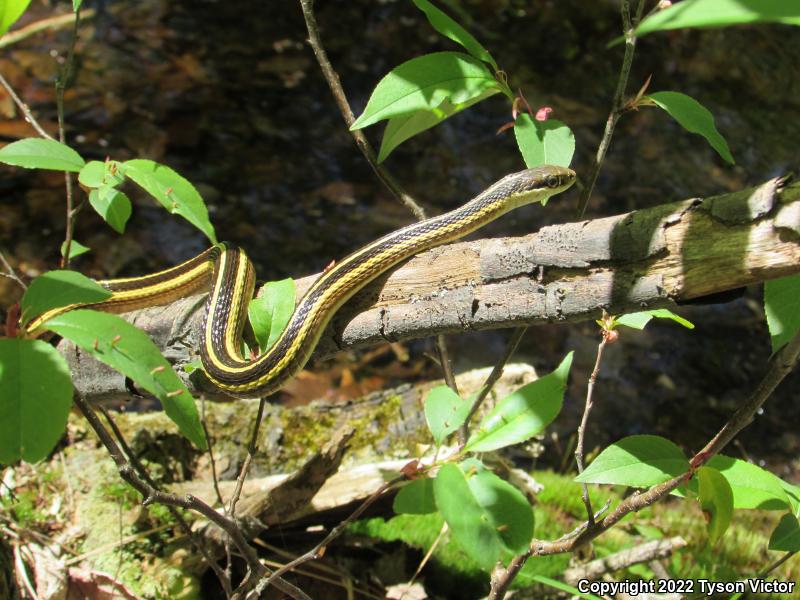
[231, 277]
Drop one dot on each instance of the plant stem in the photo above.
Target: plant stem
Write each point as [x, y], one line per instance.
[492, 379]
[619, 100]
[26, 111]
[584, 421]
[61, 86]
[335, 85]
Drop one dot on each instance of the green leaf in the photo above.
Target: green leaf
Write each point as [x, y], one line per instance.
[524, 413]
[548, 142]
[753, 487]
[10, 11]
[403, 127]
[693, 117]
[782, 309]
[637, 461]
[174, 192]
[486, 515]
[270, 312]
[114, 206]
[115, 342]
[786, 536]
[35, 397]
[720, 13]
[40, 153]
[793, 495]
[55, 289]
[465, 517]
[558, 585]
[423, 83]
[96, 174]
[416, 498]
[445, 412]
[638, 320]
[505, 507]
[452, 30]
[76, 5]
[716, 501]
[75, 249]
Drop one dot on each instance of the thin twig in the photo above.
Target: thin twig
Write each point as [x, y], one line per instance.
[770, 568]
[493, 378]
[10, 272]
[332, 78]
[619, 100]
[61, 86]
[444, 362]
[585, 420]
[26, 111]
[252, 448]
[426, 558]
[318, 550]
[780, 365]
[214, 477]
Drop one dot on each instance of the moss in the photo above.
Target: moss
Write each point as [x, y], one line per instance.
[307, 429]
[304, 433]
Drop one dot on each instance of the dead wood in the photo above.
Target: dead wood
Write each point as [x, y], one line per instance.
[644, 259]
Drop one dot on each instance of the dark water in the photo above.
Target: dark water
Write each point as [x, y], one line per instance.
[229, 95]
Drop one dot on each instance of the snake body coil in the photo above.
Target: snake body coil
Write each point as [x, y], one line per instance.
[232, 277]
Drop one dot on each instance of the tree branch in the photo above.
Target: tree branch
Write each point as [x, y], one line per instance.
[571, 272]
[332, 78]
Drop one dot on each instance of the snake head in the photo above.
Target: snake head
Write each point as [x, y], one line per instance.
[536, 184]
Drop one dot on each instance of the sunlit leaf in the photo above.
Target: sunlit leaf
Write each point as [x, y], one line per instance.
[487, 515]
[753, 487]
[693, 117]
[716, 501]
[524, 413]
[638, 320]
[423, 83]
[548, 142]
[111, 204]
[95, 174]
[174, 192]
[35, 398]
[720, 13]
[782, 307]
[637, 461]
[452, 30]
[270, 312]
[115, 342]
[403, 127]
[41, 153]
[10, 11]
[445, 411]
[59, 288]
[75, 249]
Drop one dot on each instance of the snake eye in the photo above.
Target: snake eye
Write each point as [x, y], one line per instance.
[552, 181]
